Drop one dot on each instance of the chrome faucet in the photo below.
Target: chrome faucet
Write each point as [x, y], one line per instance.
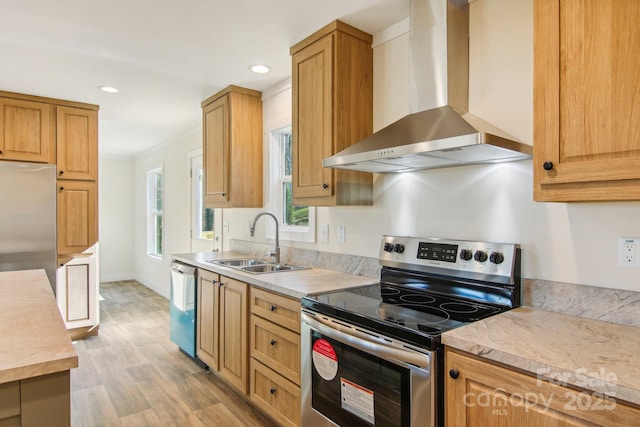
[252, 230]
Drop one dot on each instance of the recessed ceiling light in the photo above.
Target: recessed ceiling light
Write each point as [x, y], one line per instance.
[109, 89]
[259, 68]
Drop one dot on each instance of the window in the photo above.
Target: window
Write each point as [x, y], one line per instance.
[298, 222]
[155, 201]
[206, 223]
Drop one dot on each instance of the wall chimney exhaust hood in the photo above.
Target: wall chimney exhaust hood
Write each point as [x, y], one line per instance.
[439, 132]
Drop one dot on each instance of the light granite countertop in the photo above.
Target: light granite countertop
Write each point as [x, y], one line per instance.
[591, 354]
[33, 338]
[296, 283]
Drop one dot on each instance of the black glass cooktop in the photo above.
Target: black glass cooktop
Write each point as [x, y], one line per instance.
[399, 311]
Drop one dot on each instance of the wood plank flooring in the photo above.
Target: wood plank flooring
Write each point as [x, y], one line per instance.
[131, 374]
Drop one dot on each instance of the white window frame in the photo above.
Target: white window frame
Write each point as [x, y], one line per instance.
[153, 213]
[276, 203]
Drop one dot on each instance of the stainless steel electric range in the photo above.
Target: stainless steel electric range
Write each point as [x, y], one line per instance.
[371, 356]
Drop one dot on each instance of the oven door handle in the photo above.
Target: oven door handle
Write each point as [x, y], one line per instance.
[365, 342]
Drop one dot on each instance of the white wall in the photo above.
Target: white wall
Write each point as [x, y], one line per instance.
[174, 157]
[116, 195]
[573, 243]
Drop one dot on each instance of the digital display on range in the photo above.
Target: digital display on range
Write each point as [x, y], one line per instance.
[437, 251]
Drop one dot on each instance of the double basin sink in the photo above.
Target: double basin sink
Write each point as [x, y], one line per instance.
[256, 266]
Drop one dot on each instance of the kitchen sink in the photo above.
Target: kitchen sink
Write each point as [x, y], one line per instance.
[241, 262]
[256, 266]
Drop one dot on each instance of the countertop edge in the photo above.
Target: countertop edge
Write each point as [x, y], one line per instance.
[39, 369]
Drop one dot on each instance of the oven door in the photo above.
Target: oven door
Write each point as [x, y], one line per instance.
[352, 377]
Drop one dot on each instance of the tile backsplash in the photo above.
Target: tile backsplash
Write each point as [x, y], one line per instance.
[609, 305]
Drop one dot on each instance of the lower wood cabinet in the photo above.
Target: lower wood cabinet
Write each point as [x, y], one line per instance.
[77, 293]
[38, 401]
[275, 356]
[221, 330]
[234, 355]
[481, 393]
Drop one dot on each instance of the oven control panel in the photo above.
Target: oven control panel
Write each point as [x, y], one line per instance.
[461, 255]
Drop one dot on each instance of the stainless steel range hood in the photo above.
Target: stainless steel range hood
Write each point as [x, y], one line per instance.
[440, 132]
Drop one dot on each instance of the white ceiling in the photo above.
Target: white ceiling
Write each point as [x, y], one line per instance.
[165, 56]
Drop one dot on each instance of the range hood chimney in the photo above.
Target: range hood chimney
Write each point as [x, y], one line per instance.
[440, 131]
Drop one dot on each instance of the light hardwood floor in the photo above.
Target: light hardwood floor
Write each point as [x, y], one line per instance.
[131, 374]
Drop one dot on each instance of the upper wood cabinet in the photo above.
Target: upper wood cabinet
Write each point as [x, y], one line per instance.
[232, 147]
[480, 393]
[332, 80]
[586, 102]
[27, 130]
[77, 143]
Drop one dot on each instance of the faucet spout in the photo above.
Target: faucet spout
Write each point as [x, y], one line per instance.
[252, 230]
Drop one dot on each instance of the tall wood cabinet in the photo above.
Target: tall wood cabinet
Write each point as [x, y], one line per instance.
[586, 103]
[64, 133]
[332, 81]
[222, 332]
[481, 393]
[232, 148]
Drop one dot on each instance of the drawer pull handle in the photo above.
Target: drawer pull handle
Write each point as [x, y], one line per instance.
[274, 307]
[272, 391]
[273, 342]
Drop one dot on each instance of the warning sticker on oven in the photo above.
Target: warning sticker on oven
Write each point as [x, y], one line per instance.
[324, 359]
[357, 400]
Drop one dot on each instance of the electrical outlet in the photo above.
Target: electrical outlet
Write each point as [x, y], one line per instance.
[341, 233]
[324, 232]
[628, 255]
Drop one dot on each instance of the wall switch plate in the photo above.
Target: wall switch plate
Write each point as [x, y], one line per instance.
[341, 233]
[628, 255]
[324, 232]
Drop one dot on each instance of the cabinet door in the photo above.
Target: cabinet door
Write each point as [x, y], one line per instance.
[77, 143]
[484, 394]
[26, 131]
[77, 216]
[77, 291]
[233, 333]
[312, 119]
[216, 152]
[586, 103]
[207, 324]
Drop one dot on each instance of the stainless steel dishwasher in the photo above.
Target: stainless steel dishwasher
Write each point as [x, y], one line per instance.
[182, 307]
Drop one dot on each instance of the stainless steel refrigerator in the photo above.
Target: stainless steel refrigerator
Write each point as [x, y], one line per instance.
[28, 217]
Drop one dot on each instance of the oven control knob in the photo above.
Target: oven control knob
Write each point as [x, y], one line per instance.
[466, 254]
[480, 256]
[388, 247]
[496, 257]
[398, 247]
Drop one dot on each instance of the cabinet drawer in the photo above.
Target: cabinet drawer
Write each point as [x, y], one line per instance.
[275, 395]
[9, 400]
[280, 310]
[276, 347]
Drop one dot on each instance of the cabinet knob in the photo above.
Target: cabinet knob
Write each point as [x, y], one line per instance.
[273, 342]
[547, 166]
[454, 374]
[274, 307]
[61, 188]
[272, 391]
[0, 151]
[61, 173]
[325, 186]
